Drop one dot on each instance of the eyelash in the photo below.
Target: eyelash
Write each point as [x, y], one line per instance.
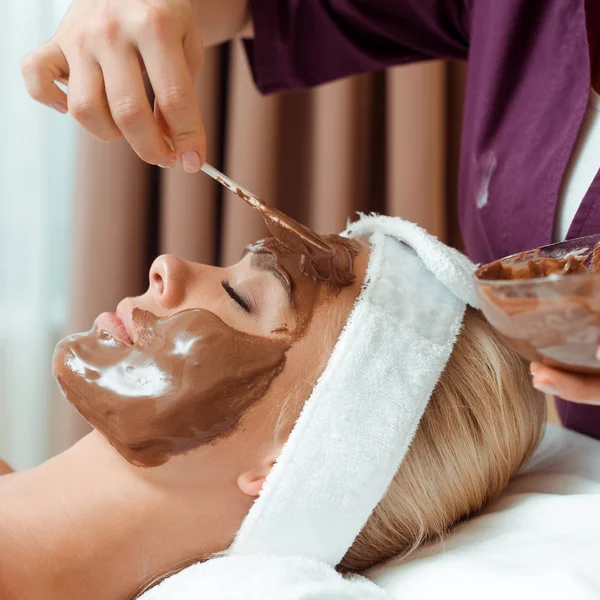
[243, 304]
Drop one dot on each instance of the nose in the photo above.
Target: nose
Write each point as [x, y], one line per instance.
[168, 280]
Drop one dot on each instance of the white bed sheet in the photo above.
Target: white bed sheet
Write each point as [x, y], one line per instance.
[540, 539]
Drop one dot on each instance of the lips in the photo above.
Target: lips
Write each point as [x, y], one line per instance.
[113, 325]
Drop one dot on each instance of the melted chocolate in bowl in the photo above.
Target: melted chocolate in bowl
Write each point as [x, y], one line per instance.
[546, 303]
[190, 378]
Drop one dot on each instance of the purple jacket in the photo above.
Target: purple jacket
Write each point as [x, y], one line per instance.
[527, 90]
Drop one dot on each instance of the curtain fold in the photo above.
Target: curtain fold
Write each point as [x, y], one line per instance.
[189, 212]
[385, 142]
[416, 145]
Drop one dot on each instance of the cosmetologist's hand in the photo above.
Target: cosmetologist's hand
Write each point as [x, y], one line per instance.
[101, 50]
[584, 389]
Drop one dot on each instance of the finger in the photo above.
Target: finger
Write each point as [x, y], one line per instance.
[581, 388]
[131, 108]
[194, 56]
[87, 99]
[163, 125]
[193, 51]
[173, 87]
[40, 70]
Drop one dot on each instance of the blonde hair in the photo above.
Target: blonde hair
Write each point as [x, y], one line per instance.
[483, 420]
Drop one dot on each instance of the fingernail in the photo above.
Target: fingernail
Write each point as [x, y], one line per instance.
[190, 160]
[169, 141]
[598, 354]
[546, 388]
[60, 107]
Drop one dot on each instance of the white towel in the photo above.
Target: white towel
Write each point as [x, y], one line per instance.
[264, 578]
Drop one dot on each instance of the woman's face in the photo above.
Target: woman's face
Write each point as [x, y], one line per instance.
[233, 343]
[181, 365]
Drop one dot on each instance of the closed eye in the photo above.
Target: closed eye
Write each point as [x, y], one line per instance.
[244, 304]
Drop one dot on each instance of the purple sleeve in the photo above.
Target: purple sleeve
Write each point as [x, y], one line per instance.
[303, 43]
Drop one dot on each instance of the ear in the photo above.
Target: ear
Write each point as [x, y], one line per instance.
[250, 482]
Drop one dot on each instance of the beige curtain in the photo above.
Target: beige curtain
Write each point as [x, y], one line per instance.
[386, 142]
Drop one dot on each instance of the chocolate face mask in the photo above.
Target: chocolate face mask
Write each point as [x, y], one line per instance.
[190, 378]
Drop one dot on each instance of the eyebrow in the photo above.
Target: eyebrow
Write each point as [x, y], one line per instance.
[265, 261]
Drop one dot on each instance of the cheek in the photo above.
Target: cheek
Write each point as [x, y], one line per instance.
[220, 304]
[306, 360]
[280, 319]
[273, 418]
[258, 434]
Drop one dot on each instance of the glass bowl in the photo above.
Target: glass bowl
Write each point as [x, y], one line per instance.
[552, 319]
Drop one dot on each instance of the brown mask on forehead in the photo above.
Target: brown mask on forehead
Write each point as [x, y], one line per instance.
[309, 281]
[311, 269]
[190, 378]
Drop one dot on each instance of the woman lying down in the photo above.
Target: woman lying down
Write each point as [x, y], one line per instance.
[296, 415]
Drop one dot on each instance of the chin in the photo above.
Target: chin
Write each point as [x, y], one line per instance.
[58, 361]
[68, 381]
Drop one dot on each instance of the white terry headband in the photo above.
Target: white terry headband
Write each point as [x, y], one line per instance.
[356, 427]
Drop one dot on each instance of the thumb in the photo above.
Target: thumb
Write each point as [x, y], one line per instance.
[581, 388]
